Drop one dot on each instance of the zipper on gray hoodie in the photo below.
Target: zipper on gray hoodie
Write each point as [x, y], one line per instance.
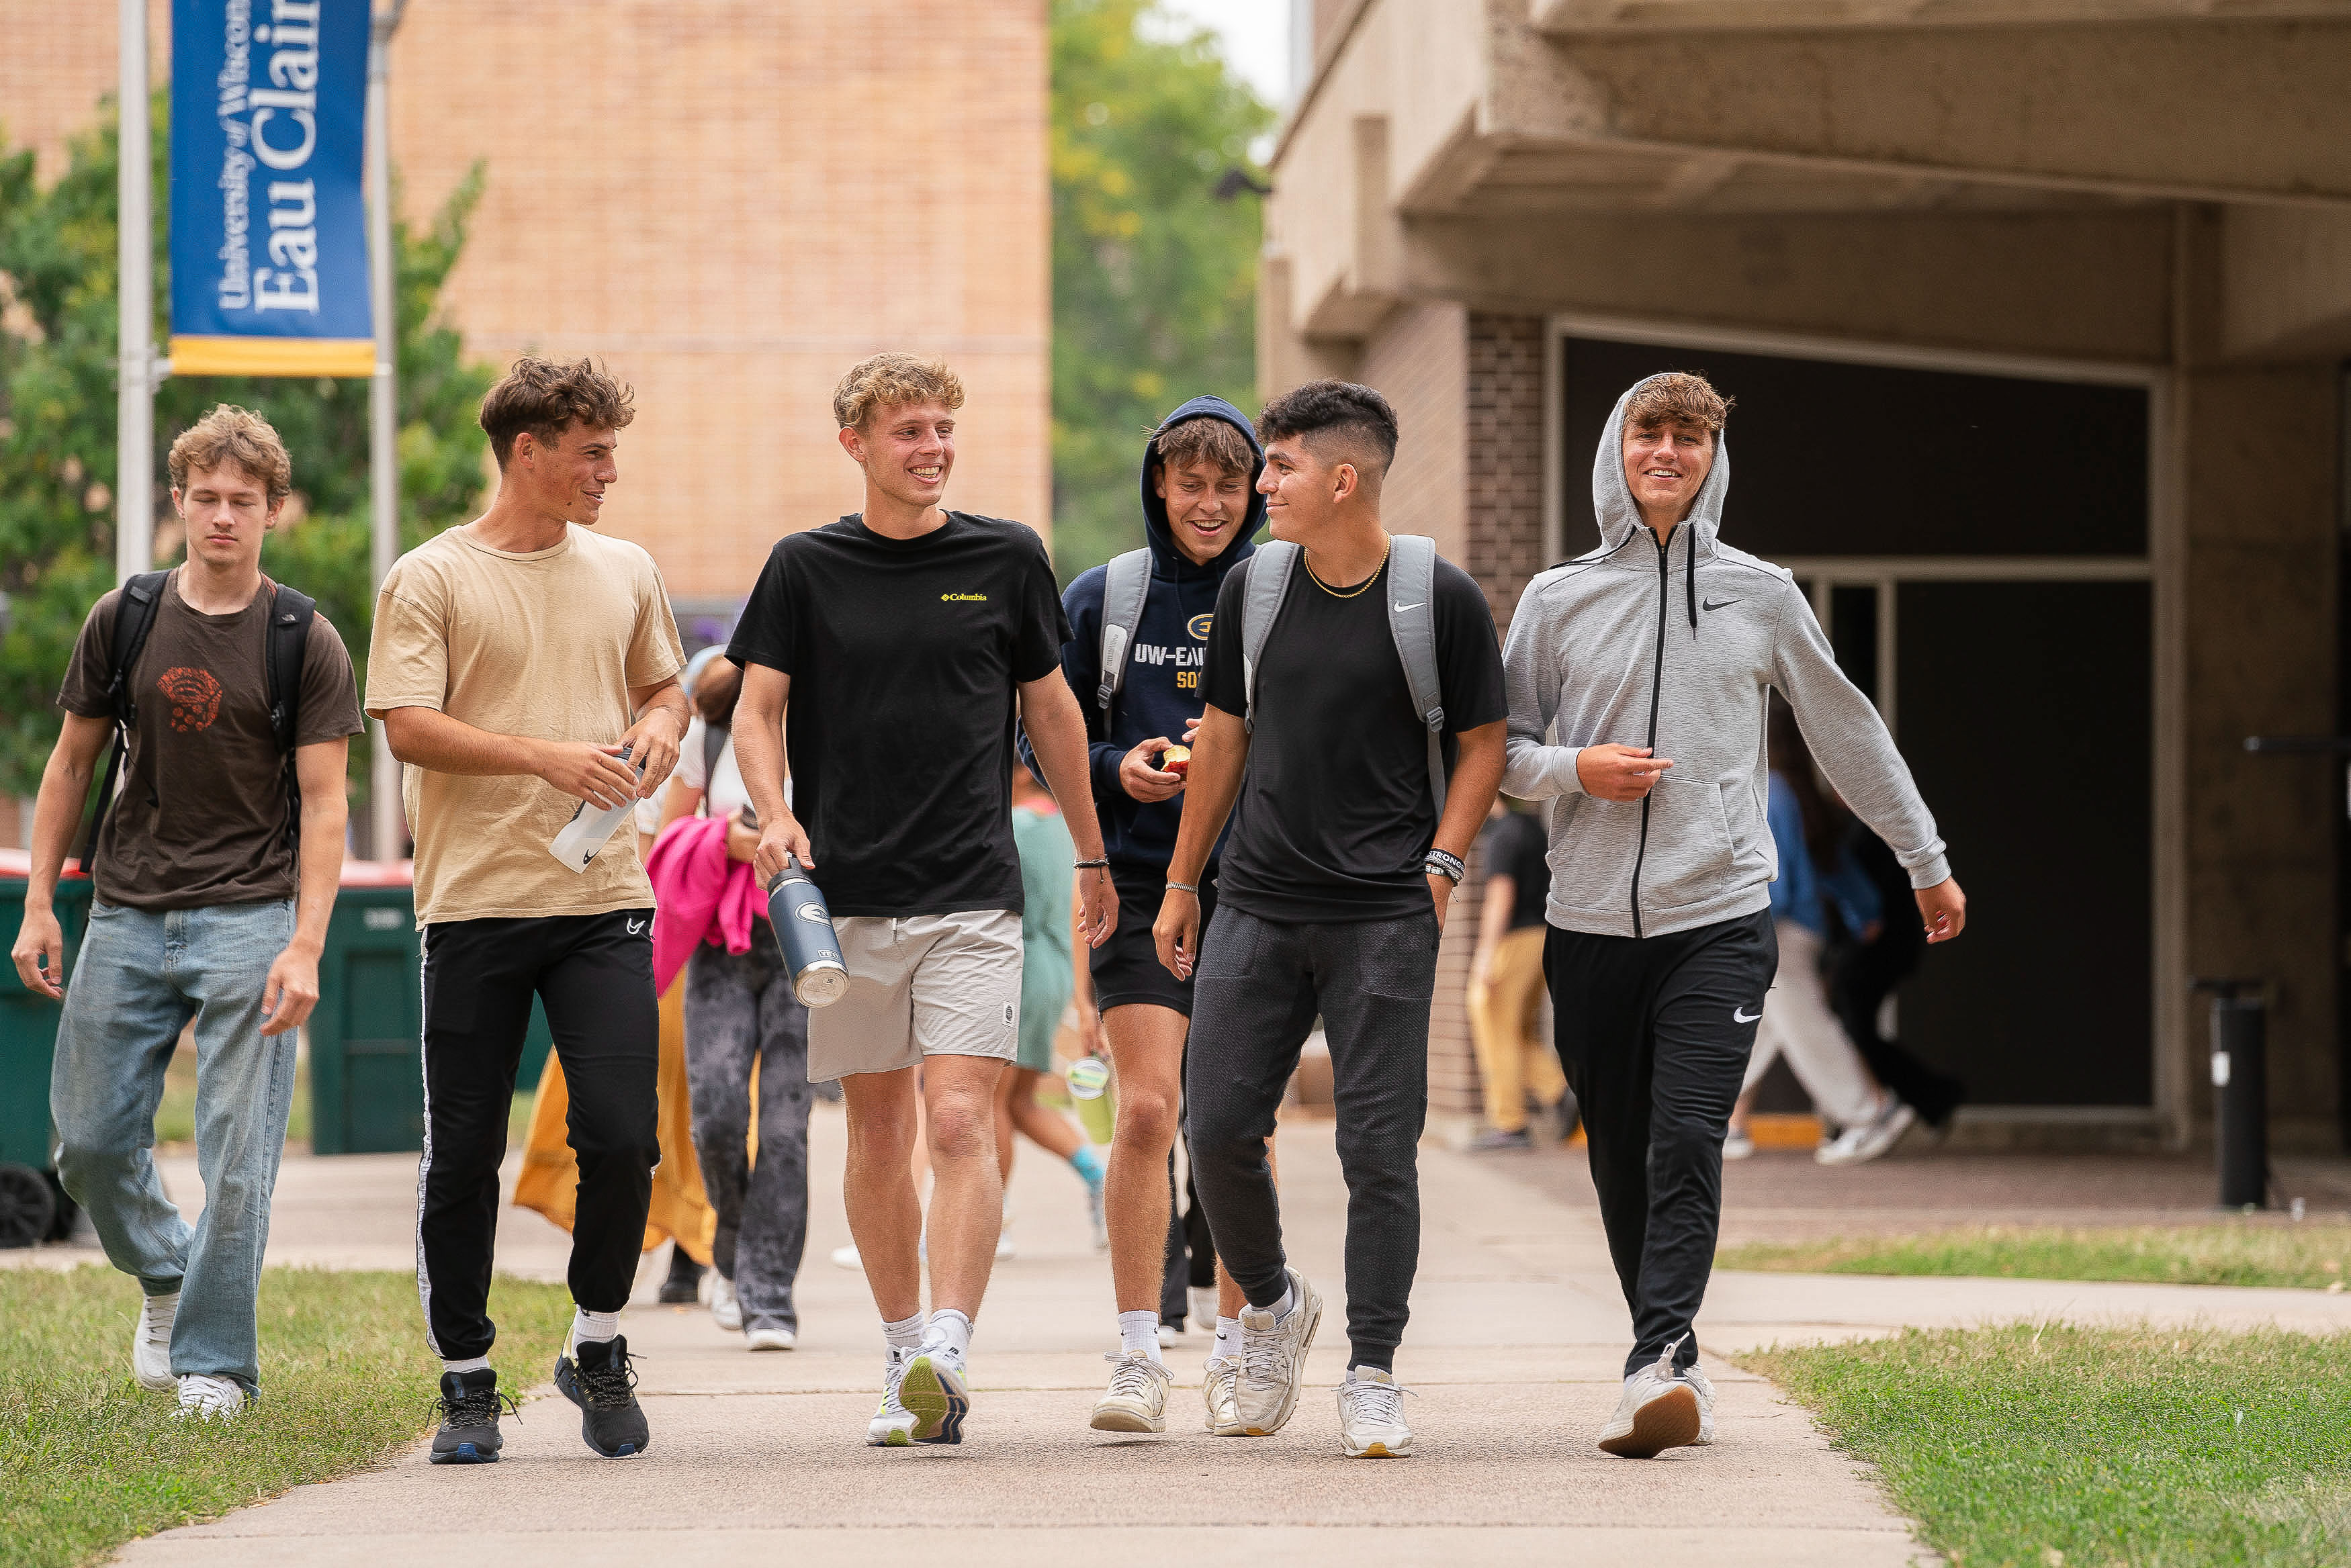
[1678, 648]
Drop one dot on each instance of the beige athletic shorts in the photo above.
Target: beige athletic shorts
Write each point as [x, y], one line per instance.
[920, 985]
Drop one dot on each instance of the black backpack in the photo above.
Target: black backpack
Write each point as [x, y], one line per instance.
[289, 638]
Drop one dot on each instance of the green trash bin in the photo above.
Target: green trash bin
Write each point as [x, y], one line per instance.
[33, 1207]
[366, 1076]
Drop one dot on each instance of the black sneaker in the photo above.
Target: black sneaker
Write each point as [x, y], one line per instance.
[603, 1385]
[684, 1284]
[469, 1406]
[1495, 1138]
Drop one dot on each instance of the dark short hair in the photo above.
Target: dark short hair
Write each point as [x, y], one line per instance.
[1344, 411]
[547, 397]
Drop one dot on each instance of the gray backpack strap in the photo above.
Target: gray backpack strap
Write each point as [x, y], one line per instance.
[1412, 621]
[1267, 579]
[1126, 585]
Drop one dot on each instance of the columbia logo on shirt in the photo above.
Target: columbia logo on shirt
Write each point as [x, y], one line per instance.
[963, 598]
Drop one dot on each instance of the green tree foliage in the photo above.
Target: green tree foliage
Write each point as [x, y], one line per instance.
[1155, 279]
[58, 300]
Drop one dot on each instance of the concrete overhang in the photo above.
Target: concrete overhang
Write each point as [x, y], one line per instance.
[1573, 18]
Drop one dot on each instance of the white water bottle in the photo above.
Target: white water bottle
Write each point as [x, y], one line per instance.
[587, 831]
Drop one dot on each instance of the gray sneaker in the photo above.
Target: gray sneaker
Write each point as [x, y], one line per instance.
[1659, 1411]
[151, 1342]
[1273, 1359]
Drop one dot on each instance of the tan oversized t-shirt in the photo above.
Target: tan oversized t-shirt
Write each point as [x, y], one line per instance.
[544, 645]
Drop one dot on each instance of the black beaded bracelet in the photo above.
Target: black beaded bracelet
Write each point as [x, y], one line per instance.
[1446, 865]
[1089, 865]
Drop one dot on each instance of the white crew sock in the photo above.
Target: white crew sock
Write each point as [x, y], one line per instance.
[1286, 1305]
[471, 1364]
[589, 1328]
[1140, 1331]
[907, 1333]
[1228, 1339]
[950, 1330]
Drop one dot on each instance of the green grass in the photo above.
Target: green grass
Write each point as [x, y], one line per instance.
[2313, 1255]
[89, 1459]
[2090, 1448]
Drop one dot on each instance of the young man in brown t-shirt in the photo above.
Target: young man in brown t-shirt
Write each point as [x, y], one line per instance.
[197, 914]
[512, 660]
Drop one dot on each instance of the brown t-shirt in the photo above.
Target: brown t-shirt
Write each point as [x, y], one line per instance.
[544, 645]
[203, 817]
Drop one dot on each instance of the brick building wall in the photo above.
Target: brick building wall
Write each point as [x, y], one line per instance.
[1504, 460]
[716, 197]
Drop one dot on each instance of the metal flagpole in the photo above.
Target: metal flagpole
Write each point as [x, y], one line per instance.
[388, 821]
[134, 413]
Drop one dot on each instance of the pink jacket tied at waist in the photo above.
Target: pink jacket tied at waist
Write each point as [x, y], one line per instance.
[699, 895]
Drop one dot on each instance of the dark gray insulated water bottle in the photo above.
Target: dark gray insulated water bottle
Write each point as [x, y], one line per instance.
[805, 936]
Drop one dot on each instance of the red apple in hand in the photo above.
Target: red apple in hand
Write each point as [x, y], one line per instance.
[1176, 760]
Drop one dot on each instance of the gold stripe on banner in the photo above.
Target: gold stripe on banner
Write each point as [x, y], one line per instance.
[272, 356]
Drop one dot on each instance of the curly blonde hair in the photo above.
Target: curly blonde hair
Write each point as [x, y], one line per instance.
[1682, 397]
[890, 381]
[231, 434]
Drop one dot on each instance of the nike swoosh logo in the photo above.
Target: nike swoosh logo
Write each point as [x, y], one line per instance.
[1739, 1015]
[1716, 604]
[1415, 605]
[635, 926]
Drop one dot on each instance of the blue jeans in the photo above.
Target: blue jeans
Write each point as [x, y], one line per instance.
[141, 974]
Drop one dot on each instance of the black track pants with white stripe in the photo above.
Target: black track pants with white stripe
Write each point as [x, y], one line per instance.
[1654, 1035]
[594, 973]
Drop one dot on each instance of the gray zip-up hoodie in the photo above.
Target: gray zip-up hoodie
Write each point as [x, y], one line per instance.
[1678, 649]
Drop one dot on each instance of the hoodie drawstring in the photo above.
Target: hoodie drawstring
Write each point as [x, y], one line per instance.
[1689, 568]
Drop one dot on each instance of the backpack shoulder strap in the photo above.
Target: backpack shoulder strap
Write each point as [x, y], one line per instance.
[290, 614]
[714, 746]
[1125, 584]
[1267, 579]
[1412, 622]
[134, 618]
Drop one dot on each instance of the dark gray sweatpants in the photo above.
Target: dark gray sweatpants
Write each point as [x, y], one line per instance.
[1259, 987]
[739, 1006]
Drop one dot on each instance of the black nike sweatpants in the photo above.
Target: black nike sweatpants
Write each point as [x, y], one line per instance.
[595, 975]
[1655, 1033]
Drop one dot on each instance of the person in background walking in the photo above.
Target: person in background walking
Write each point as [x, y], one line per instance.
[1048, 978]
[743, 1027]
[216, 874]
[1815, 877]
[1506, 982]
[1864, 970]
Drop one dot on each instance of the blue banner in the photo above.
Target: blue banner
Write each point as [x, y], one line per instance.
[270, 258]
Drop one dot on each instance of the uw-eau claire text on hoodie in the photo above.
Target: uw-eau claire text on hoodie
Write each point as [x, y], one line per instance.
[1163, 691]
[1677, 647]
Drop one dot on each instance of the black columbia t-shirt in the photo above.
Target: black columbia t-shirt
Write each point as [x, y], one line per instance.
[1517, 847]
[903, 655]
[1335, 813]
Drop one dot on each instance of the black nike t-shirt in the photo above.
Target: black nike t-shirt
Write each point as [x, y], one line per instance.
[905, 655]
[1335, 811]
[1516, 847]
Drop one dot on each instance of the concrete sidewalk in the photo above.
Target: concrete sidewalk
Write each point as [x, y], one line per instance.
[1517, 1332]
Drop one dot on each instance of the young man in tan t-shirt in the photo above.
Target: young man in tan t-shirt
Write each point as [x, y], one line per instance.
[212, 898]
[514, 659]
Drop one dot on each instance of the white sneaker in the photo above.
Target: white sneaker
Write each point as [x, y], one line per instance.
[1136, 1400]
[1860, 1145]
[1217, 1381]
[1371, 1415]
[1659, 1411]
[1201, 1303]
[203, 1398]
[847, 1258]
[770, 1336]
[937, 1389]
[892, 1426]
[1167, 1333]
[726, 1310]
[1705, 1392]
[1273, 1359]
[151, 1343]
[1736, 1145]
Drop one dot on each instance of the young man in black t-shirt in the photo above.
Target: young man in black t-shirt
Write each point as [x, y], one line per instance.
[1332, 893]
[906, 639]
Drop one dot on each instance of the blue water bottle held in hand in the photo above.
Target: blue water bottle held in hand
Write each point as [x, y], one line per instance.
[804, 935]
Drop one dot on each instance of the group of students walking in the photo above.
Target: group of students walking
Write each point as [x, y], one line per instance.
[1270, 758]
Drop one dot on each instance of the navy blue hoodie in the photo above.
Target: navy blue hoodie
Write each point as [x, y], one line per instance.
[1163, 690]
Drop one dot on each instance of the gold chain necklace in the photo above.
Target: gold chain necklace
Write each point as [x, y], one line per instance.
[1359, 587]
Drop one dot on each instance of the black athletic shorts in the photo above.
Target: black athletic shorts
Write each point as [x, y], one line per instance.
[1126, 969]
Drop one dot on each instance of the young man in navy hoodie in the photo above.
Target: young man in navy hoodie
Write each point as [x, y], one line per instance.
[1201, 507]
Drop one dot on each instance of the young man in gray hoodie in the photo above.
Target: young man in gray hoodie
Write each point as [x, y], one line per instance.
[1638, 677]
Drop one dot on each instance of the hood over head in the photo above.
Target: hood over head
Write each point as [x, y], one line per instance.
[1169, 561]
[1611, 500]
